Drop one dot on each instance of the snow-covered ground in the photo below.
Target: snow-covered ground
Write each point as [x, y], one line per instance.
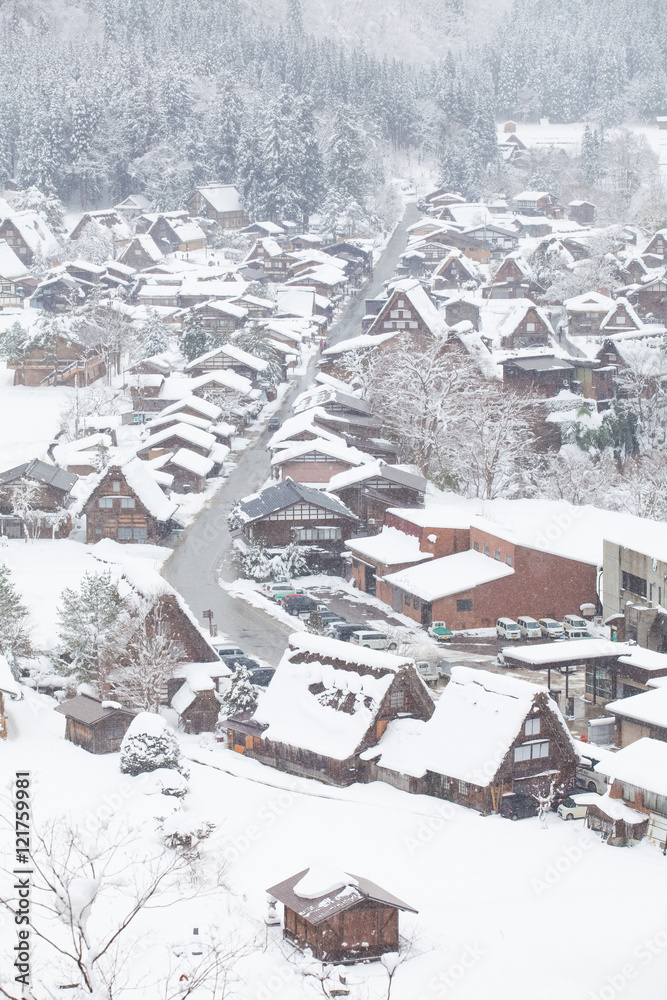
[499, 903]
[30, 418]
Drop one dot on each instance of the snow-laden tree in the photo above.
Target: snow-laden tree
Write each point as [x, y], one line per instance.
[48, 206]
[95, 244]
[153, 335]
[150, 658]
[13, 343]
[92, 629]
[15, 641]
[240, 696]
[195, 339]
[223, 132]
[256, 564]
[149, 744]
[643, 381]
[254, 338]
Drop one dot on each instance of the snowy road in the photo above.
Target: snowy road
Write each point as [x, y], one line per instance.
[206, 548]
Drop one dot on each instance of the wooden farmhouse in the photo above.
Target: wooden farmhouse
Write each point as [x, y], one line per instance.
[220, 203]
[193, 406]
[187, 469]
[110, 219]
[657, 246]
[63, 361]
[490, 735]
[454, 271]
[542, 375]
[582, 212]
[170, 615]
[229, 357]
[195, 701]
[328, 702]
[9, 687]
[536, 203]
[636, 804]
[370, 489]
[315, 462]
[527, 325]
[441, 242]
[127, 505]
[586, 312]
[84, 456]
[499, 239]
[133, 206]
[15, 278]
[339, 917]
[513, 280]
[172, 231]
[52, 488]
[292, 511]
[96, 726]
[141, 252]
[217, 315]
[651, 299]
[621, 318]
[171, 439]
[27, 234]
[409, 308]
[269, 259]
[460, 308]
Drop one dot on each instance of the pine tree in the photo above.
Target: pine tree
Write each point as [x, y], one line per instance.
[252, 170]
[254, 339]
[91, 628]
[195, 340]
[149, 744]
[14, 630]
[255, 563]
[240, 696]
[223, 132]
[13, 346]
[154, 335]
[292, 562]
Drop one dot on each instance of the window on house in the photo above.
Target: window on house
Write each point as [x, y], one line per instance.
[635, 584]
[397, 699]
[532, 727]
[127, 501]
[486, 550]
[406, 599]
[115, 487]
[105, 502]
[139, 534]
[530, 327]
[540, 749]
[628, 792]
[521, 753]
[465, 605]
[508, 560]
[496, 555]
[475, 546]
[401, 303]
[463, 787]
[416, 603]
[620, 319]
[98, 531]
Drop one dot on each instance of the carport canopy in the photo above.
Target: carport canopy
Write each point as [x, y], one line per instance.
[568, 653]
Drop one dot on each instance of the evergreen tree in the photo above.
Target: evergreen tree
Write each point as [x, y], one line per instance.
[195, 340]
[149, 744]
[254, 339]
[240, 696]
[14, 631]
[292, 562]
[91, 628]
[223, 132]
[255, 563]
[154, 335]
[13, 346]
[252, 169]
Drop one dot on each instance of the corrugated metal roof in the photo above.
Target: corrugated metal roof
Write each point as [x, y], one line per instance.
[88, 710]
[50, 475]
[284, 495]
[315, 911]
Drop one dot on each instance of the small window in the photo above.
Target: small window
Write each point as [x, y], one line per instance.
[406, 599]
[530, 327]
[463, 787]
[475, 546]
[127, 501]
[397, 699]
[496, 555]
[486, 550]
[619, 320]
[465, 605]
[521, 753]
[508, 560]
[98, 531]
[532, 727]
[139, 534]
[105, 502]
[116, 487]
[124, 534]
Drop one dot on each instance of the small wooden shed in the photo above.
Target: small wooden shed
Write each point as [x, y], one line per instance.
[97, 726]
[341, 918]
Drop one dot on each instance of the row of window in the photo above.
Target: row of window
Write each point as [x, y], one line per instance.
[462, 786]
[496, 554]
[302, 512]
[635, 584]
[531, 751]
[107, 502]
[317, 534]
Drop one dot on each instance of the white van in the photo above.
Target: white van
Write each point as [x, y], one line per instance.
[530, 627]
[372, 640]
[507, 628]
[550, 628]
[575, 627]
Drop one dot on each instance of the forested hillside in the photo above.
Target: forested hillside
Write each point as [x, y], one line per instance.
[114, 96]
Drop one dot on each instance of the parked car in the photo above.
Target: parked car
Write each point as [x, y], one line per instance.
[445, 667]
[224, 649]
[234, 662]
[573, 808]
[271, 589]
[530, 628]
[574, 621]
[590, 779]
[288, 590]
[551, 629]
[428, 673]
[295, 604]
[372, 640]
[507, 628]
[261, 676]
[343, 630]
[273, 424]
[329, 617]
[440, 632]
[516, 806]
[572, 632]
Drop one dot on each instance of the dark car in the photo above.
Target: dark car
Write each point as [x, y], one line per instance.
[330, 618]
[518, 806]
[343, 630]
[262, 676]
[273, 424]
[298, 605]
[240, 661]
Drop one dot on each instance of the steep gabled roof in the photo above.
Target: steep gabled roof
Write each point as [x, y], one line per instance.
[48, 475]
[284, 494]
[317, 895]
[230, 351]
[333, 449]
[420, 302]
[632, 315]
[392, 473]
[221, 197]
[89, 711]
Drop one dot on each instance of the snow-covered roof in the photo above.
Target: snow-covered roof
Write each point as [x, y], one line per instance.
[188, 232]
[648, 707]
[225, 377]
[398, 474]
[563, 652]
[144, 242]
[530, 195]
[33, 229]
[413, 291]
[337, 450]
[298, 424]
[195, 403]
[296, 299]
[189, 460]
[11, 266]
[222, 197]
[230, 351]
[589, 302]
[197, 679]
[518, 314]
[643, 764]
[323, 274]
[436, 515]
[470, 215]
[449, 575]
[194, 435]
[332, 719]
[391, 547]
[323, 891]
[476, 720]
[286, 493]
[203, 423]
[361, 343]
[140, 481]
[621, 303]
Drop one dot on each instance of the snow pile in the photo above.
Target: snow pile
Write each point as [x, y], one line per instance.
[322, 880]
[391, 547]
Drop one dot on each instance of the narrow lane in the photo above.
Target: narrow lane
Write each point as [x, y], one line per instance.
[206, 551]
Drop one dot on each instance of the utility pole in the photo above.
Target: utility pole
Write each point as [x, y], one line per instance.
[211, 626]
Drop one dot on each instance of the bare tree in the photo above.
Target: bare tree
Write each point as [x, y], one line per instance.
[152, 655]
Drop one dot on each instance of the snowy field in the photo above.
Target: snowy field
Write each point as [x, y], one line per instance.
[568, 136]
[30, 418]
[575, 917]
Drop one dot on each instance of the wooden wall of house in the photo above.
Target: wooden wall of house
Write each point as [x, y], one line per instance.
[366, 930]
[105, 736]
[202, 715]
[105, 522]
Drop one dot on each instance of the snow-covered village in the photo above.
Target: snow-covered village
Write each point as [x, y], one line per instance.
[333, 499]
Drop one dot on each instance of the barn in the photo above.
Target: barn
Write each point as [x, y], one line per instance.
[97, 726]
